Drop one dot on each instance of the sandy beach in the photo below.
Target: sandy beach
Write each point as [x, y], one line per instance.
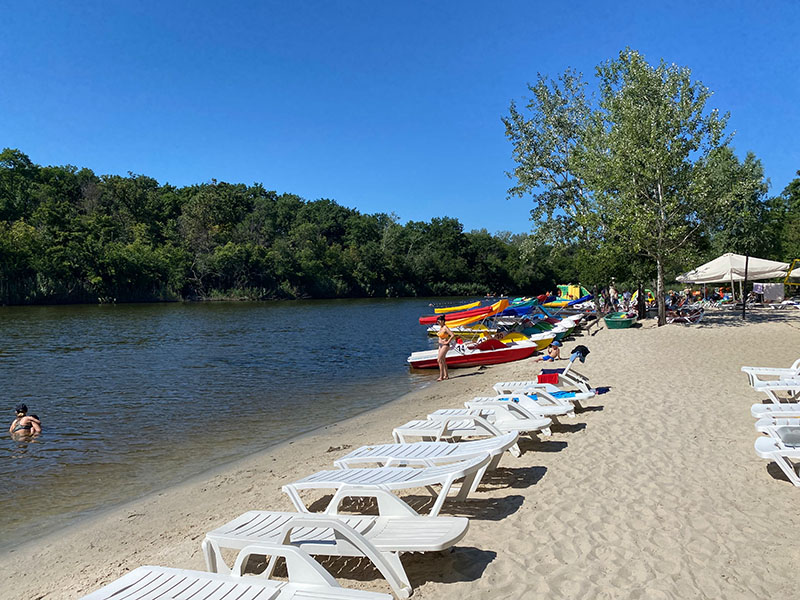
[652, 492]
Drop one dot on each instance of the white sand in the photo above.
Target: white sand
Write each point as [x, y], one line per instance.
[655, 492]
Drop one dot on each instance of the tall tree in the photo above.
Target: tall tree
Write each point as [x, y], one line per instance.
[630, 165]
[650, 141]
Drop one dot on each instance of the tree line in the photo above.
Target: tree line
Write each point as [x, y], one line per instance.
[633, 179]
[69, 235]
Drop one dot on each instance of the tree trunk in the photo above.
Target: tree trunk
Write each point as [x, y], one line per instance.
[662, 308]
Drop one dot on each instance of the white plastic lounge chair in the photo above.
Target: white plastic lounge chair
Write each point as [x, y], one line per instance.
[507, 388]
[428, 454]
[394, 478]
[307, 579]
[781, 452]
[382, 538]
[756, 374]
[777, 411]
[459, 425]
[534, 404]
[506, 416]
[771, 389]
[771, 425]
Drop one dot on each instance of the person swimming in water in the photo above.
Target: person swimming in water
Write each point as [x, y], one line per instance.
[25, 424]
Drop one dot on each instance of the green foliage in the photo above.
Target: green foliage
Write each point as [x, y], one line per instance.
[783, 222]
[636, 179]
[68, 235]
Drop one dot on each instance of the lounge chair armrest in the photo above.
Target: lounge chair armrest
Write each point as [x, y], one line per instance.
[388, 503]
[389, 566]
[301, 567]
[477, 420]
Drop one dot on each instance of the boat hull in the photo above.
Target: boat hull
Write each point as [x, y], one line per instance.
[619, 321]
[455, 359]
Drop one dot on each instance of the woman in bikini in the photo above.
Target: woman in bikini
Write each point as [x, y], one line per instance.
[23, 424]
[445, 336]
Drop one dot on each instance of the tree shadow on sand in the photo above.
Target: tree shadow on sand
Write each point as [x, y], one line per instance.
[733, 318]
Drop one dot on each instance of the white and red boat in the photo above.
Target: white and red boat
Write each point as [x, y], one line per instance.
[485, 352]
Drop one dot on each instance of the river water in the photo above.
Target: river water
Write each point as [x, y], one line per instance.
[134, 398]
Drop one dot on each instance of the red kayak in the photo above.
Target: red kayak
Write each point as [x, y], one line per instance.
[487, 352]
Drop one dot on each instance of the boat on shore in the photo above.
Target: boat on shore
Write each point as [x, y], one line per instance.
[486, 352]
[619, 320]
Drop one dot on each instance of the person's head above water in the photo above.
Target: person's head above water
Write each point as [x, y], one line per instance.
[21, 409]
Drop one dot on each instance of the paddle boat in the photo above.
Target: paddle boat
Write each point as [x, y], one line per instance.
[542, 340]
[620, 320]
[486, 352]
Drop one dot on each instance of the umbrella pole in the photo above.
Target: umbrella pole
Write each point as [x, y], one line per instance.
[744, 285]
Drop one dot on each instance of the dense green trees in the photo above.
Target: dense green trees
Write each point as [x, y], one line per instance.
[68, 235]
[638, 181]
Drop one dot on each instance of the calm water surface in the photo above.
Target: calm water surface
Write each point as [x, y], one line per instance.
[134, 398]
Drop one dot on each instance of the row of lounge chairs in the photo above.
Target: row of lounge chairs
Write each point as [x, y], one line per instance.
[779, 418]
[442, 459]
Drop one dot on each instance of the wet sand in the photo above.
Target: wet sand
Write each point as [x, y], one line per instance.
[654, 491]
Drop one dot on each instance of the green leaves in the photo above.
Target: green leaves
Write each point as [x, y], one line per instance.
[622, 177]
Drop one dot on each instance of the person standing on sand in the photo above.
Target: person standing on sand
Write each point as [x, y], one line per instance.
[445, 337]
[613, 296]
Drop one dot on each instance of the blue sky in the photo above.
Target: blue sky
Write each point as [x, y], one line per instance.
[382, 106]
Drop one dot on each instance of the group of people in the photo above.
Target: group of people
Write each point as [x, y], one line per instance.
[610, 300]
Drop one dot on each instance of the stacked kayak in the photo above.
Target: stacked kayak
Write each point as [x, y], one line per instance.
[466, 317]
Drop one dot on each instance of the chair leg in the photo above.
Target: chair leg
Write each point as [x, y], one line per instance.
[294, 496]
[213, 556]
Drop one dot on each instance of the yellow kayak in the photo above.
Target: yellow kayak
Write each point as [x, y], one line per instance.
[440, 311]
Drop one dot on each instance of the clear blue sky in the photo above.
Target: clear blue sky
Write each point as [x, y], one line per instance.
[382, 106]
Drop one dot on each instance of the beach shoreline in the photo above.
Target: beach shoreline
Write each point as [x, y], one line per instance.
[655, 491]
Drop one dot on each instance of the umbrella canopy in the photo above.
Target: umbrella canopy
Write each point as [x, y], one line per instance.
[730, 267]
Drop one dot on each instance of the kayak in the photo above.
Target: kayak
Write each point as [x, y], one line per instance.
[448, 309]
[466, 314]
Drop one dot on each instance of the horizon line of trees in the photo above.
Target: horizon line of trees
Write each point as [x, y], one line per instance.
[68, 235]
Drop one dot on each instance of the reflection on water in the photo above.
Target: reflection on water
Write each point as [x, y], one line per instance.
[135, 397]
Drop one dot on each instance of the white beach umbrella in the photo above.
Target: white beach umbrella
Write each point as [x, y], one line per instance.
[731, 267]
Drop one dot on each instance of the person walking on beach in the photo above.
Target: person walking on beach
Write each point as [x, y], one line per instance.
[24, 424]
[445, 337]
